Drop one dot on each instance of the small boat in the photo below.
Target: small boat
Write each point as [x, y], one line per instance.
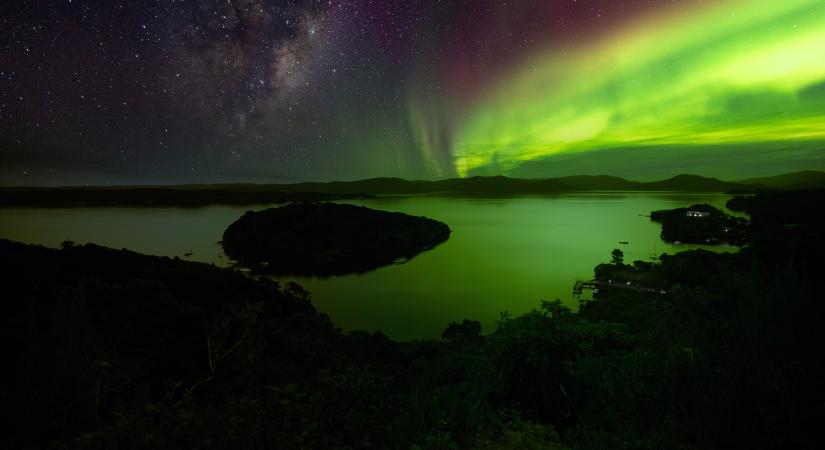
[623, 242]
[189, 253]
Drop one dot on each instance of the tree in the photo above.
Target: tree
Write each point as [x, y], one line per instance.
[642, 266]
[468, 329]
[617, 257]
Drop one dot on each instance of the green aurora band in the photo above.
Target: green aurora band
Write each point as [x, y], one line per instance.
[741, 72]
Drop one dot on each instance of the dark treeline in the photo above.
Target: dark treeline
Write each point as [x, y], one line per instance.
[770, 213]
[495, 186]
[112, 349]
[324, 239]
[156, 196]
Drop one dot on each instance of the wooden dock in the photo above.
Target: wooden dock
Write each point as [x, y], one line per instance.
[579, 286]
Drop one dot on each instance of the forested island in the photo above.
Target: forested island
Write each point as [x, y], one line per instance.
[113, 349]
[328, 239]
[701, 224]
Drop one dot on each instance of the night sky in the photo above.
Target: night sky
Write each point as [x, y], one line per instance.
[128, 92]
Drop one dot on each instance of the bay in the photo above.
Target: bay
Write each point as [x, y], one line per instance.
[503, 254]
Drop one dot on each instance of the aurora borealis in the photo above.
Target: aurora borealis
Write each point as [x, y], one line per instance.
[252, 90]
[736, 72]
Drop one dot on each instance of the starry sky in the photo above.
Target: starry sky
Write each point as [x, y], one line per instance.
[201, 91]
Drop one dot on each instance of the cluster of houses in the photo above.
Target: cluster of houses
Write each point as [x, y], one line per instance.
[697, 214]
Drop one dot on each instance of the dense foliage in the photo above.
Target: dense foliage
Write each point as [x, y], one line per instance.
[715, 227]
[328, 238]
[110, 349]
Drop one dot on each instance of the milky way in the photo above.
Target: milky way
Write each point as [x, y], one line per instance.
[254, 90]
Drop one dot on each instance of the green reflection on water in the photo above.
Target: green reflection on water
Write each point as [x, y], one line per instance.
[503, 254]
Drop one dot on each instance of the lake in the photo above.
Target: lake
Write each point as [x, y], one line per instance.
[503, 254]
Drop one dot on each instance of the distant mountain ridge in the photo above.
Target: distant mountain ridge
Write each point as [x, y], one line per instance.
[795, 180]
[689, 183]
[694, 183]
[495, 186]
[501, 185]
[600, 182]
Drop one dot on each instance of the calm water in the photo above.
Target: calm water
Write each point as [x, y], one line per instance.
[503, 254]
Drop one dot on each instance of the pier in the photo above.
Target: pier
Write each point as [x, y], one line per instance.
[579, 286]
